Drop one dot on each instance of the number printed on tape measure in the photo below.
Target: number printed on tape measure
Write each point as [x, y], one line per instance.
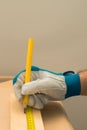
[30, 119]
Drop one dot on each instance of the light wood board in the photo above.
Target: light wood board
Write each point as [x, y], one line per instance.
[18, 117]
[5, 78]
[53, 115]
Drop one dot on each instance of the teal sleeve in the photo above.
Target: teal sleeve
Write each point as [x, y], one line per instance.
[73, 85]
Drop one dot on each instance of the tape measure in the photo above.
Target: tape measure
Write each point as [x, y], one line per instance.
[30, 118]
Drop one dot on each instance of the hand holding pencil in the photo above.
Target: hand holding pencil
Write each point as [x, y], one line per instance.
[42, 86]
[45, 86]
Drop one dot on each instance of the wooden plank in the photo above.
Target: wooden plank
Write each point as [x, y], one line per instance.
[18, 118]
[53, 115]
[5, 78]
[38, 120]
[5, 90]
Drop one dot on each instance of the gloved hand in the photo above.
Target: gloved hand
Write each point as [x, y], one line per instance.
[45, 86]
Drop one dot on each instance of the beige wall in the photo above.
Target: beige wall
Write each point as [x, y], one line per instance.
[59, 28]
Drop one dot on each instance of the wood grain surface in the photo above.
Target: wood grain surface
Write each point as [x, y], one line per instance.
[53, 115]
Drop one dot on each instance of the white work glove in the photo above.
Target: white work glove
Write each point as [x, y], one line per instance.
[45, 86]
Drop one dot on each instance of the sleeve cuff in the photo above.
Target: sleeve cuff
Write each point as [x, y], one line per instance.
[73, 85]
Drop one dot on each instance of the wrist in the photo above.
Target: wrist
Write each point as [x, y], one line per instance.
[83, 79]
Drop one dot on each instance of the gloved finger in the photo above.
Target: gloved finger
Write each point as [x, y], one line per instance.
[54, 88]
[34, 76]
[22, 76]
[40, 86]
[20, 80]
[17, 89]
[43, 98]
[19, 83]
[35, 102]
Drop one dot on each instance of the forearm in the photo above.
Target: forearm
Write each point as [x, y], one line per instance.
[83, 81]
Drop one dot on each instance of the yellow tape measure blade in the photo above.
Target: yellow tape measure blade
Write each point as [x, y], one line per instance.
[30, 119]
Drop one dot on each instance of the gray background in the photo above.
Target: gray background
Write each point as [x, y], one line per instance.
[59, 28]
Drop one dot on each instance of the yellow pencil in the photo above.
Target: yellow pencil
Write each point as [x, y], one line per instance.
[28, 67]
